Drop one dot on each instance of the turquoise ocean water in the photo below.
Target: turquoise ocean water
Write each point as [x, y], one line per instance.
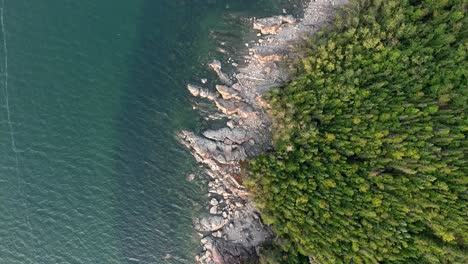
[92, 94]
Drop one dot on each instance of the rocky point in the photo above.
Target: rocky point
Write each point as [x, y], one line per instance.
[233, 232]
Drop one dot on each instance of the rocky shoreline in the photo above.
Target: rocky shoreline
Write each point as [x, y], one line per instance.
[234, 231]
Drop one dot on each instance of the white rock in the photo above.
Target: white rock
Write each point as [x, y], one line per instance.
[194, 90]
[214, 202]
[220, 190]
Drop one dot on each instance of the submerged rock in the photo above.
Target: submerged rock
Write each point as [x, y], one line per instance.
[190, 177]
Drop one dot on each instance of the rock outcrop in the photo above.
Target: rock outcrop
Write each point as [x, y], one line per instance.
[233, 231]
[271, 25]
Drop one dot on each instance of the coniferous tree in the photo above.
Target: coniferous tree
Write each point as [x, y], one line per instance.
[370, 161]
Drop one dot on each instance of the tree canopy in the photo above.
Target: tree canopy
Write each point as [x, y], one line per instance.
[370, 140]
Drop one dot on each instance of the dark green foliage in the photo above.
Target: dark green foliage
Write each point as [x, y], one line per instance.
[370, 163]
[272, 254]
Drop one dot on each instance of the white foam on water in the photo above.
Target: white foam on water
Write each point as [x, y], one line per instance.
[7, 99]
[5, 82]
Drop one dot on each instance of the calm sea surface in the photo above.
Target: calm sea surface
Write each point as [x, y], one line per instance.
[92, 94]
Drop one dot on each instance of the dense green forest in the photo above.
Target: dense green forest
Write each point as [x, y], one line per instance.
[370, 140]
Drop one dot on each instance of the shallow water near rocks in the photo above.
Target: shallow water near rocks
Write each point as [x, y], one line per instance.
[92, 94]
